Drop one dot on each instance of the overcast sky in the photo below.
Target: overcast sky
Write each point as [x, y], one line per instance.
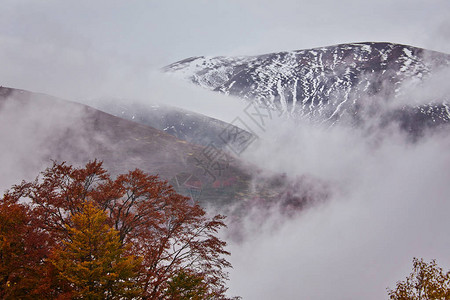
[82, 49]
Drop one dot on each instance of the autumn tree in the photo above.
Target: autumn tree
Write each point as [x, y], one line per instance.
[92, 259]
[170, 232]
[22, 249]
[426, 282]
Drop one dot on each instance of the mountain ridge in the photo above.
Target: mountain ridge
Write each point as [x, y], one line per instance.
[324, 84]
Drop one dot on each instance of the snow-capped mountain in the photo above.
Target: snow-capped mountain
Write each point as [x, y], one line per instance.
[329, 83]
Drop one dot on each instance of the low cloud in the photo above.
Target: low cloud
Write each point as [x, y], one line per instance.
[434, 89]
[389, 204]
[29, 133]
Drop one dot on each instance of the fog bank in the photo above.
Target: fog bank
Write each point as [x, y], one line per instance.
[390, 203]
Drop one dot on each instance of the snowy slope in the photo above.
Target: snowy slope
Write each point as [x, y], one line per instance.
[325, 84]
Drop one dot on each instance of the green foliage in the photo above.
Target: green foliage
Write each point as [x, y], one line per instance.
[185, 286]
[426, 282]
[92, 260]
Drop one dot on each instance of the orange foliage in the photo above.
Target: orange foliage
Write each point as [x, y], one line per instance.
[169, 232]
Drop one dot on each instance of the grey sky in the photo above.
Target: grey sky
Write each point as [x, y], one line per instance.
[82, 49]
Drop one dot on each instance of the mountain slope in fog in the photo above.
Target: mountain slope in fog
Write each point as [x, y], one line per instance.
[327, 84]
[76, 133]
[38, 128]
[182, 124]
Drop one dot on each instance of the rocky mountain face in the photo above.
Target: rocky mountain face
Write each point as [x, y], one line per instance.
[328, 84]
